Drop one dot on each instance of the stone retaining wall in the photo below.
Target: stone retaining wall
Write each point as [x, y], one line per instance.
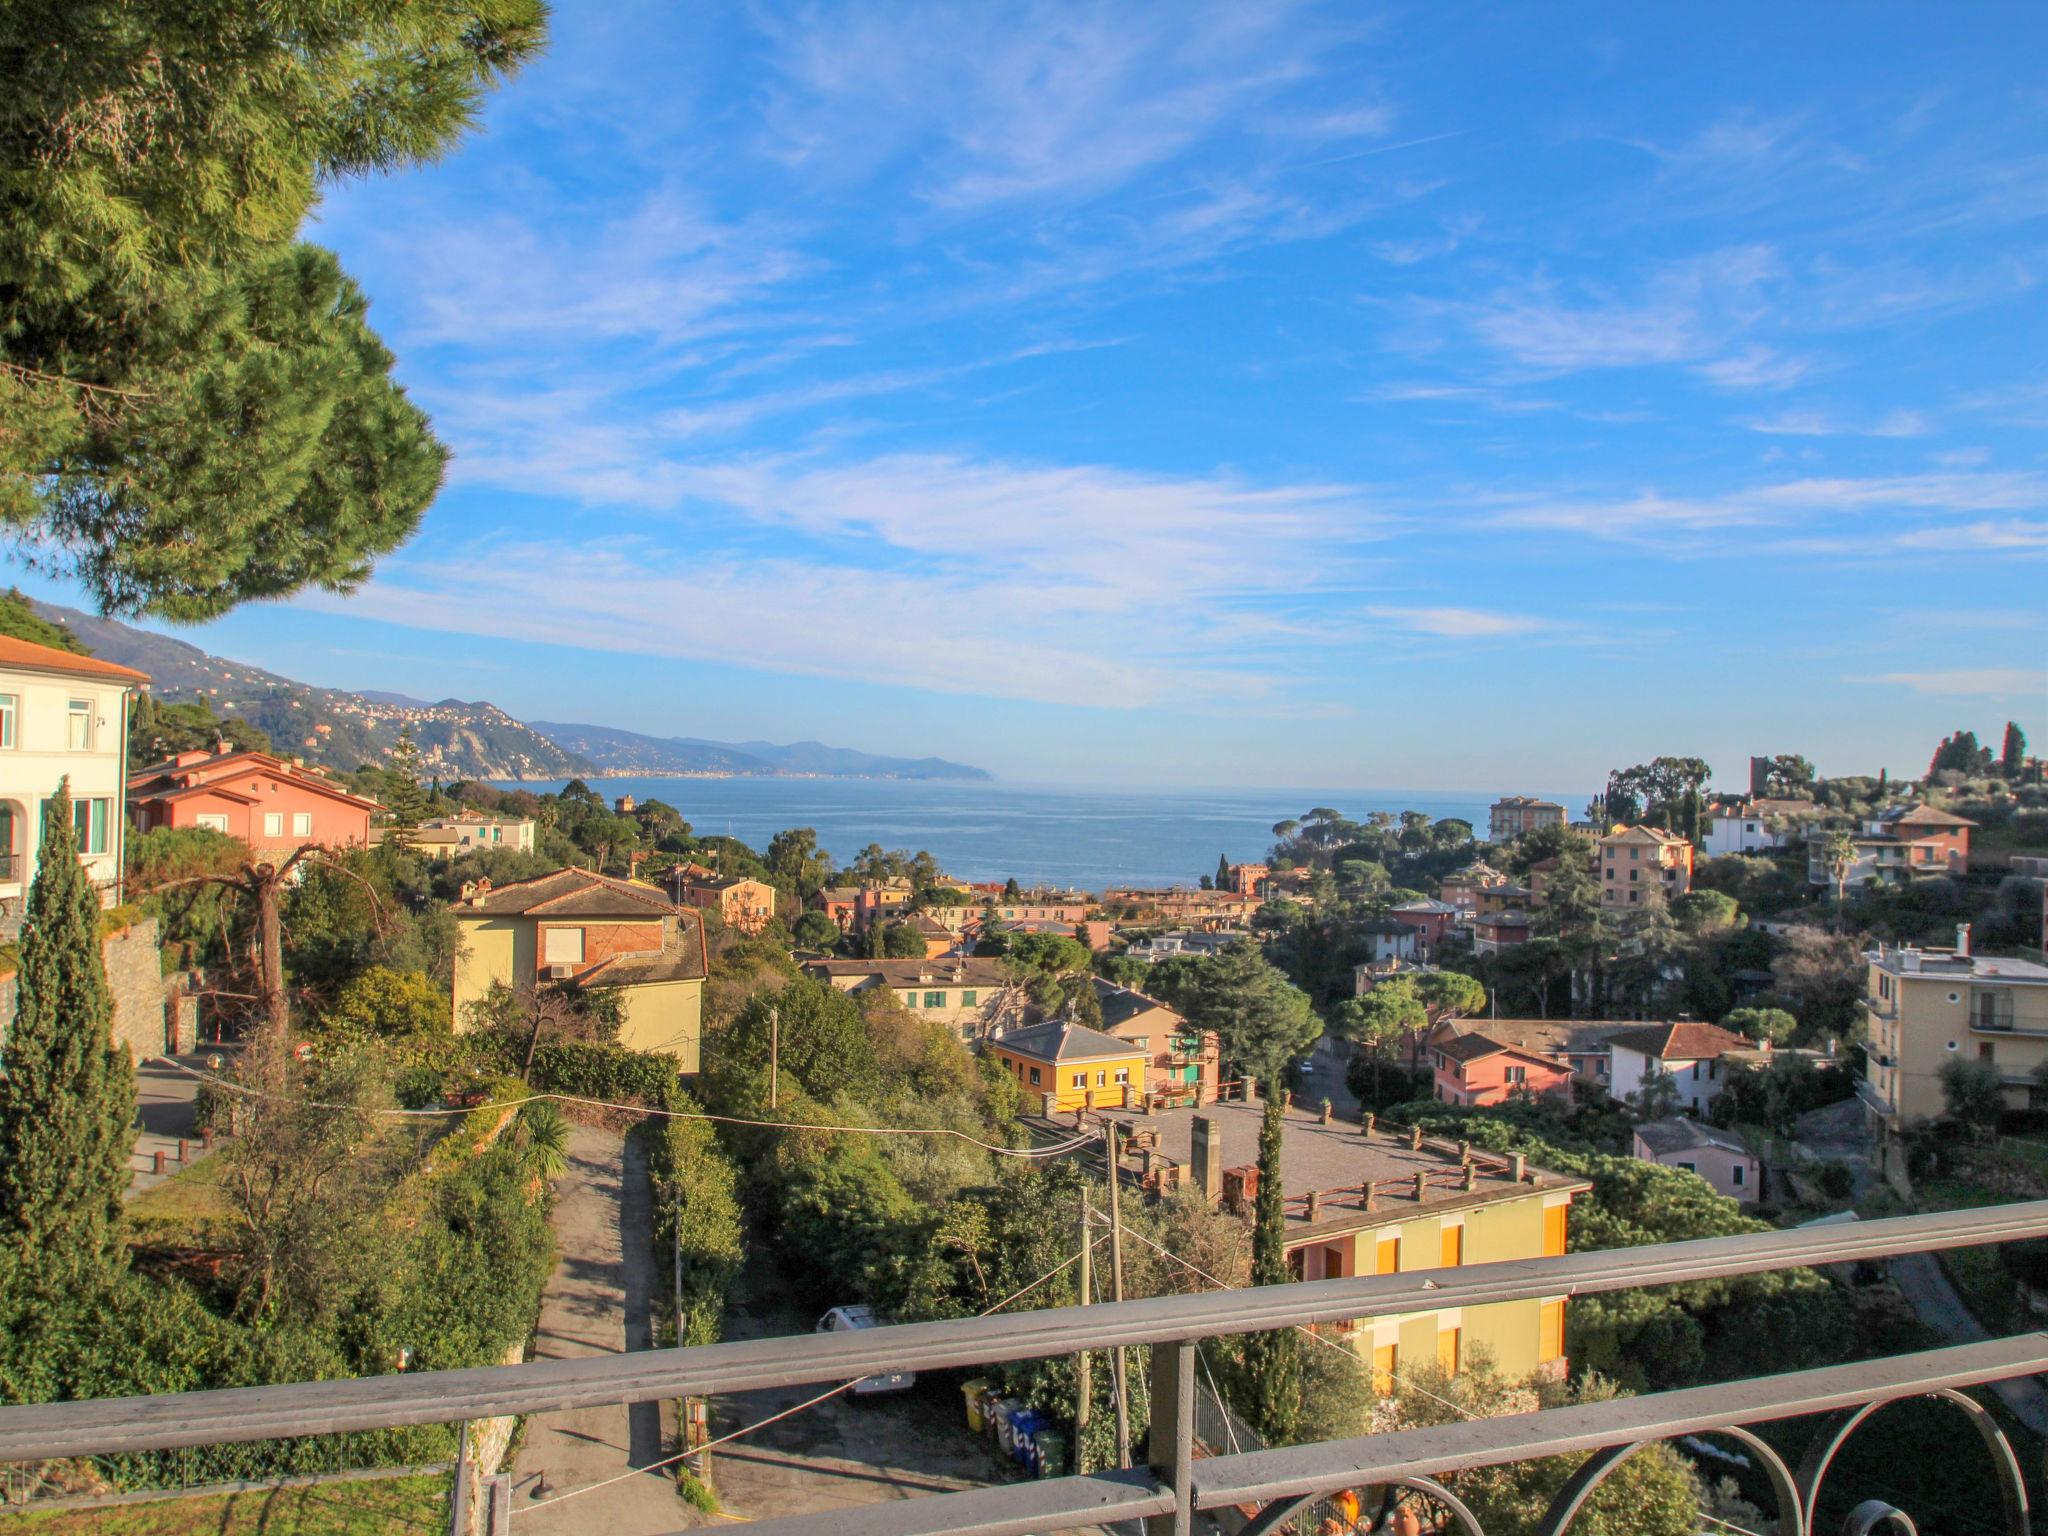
[134, 976]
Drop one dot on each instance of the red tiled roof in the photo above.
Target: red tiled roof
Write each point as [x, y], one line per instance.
[47, 658]
[1681, 1042]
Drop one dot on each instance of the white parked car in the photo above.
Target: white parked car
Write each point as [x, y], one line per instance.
[843, 1320]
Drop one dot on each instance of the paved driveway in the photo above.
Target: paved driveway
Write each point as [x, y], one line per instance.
[164, 1100]
[598, 1303]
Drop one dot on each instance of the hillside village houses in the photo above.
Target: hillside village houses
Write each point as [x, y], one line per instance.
[1461, 890]
[1897, 844]
[1690, 1054]
[746, 904]
[968, 995]
[1061, 1066]
[1633, 862]
[1753, 826]
[1515, 816]
[62, 716]
[1181, 1062]
[589, 932]
[474, 830]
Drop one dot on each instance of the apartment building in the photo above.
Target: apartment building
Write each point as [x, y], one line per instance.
[967, 995]
[1925, 1007]
[1514, 815]
[1639, 865]
[746, 904]
[62, 717]
[468, 833]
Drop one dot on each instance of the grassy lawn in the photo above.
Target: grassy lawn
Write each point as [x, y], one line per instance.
[326, 1509]
[183, 1208]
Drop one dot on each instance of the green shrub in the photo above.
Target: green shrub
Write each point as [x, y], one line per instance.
[612, 1073]
[696, 1207]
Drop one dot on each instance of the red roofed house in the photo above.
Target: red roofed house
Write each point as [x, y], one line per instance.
[1471, 1069]
[1690, 1053]
[276, 805]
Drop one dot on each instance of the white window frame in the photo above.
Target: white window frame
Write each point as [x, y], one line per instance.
[302, 823]
[211, 821]
[80, 712]
[10, 718]
[273, 823]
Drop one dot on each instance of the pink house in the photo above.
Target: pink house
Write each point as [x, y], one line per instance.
[1472, 1069]
[275, 805]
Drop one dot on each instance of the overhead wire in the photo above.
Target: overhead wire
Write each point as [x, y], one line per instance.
[654, 1466]
[1059, 1149]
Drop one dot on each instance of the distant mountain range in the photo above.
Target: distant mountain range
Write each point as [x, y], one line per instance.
[610, 750]
[457, 739]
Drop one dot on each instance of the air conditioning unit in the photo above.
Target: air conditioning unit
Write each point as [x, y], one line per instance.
[560, 972]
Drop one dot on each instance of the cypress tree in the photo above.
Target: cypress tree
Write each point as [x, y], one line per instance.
[1222, 871]
[1272, 1360]
[69, 1095]
[2013, 759]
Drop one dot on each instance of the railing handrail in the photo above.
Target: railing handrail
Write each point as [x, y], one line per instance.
[38, 1431]
[1324, 1467]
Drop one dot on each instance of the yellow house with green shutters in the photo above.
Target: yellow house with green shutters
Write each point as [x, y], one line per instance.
[589, 933]
[1363, 1203]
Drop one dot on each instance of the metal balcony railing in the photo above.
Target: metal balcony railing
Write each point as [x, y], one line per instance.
[1173, 1487]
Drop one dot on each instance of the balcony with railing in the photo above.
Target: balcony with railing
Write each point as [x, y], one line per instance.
[1993, 1011]
[1172, 1487]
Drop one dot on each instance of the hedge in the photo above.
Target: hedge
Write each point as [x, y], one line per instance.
[696, 1205]
[609, 1072]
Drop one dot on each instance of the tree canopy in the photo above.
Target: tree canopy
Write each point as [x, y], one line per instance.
[193, 409]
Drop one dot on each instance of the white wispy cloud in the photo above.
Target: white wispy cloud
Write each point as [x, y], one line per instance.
[1967, 680]
[1809, 422]
[1045, 582]
[2008, 534]
[1462, 623]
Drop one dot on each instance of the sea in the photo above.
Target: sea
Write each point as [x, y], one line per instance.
[1060, 835]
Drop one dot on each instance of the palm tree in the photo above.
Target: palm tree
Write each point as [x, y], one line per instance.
[542, 1139]
[1838, 852]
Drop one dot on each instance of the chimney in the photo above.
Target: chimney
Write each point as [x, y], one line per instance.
[1207, 1156]
[1963, 941]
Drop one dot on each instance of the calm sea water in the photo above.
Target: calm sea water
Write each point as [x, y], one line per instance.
[1060, 835]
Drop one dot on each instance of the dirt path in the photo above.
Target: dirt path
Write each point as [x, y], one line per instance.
[598, 1303]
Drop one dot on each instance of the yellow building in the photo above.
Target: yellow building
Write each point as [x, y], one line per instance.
[589, 932]
[1925, 1007]
[1069, 1066]
[1424, 1213]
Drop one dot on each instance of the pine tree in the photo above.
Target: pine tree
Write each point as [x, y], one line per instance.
[68, 1098]
[2012, 760]
[1272, 1360]
[403, 796]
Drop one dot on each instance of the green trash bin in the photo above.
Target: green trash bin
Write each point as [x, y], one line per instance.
[1052, 1453]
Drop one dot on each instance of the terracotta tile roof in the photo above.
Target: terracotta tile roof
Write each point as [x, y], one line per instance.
[1922, 816]
[970, 971]
[1655, 836]
[31, 657]
[169, 778]
[569, 892]
[1685, 1041]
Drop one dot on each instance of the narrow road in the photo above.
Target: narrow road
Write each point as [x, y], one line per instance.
[599, 1302]
[1920, 1279]
[165, 1103]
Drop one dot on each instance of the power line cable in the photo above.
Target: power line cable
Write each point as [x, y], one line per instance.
[1057, 1150]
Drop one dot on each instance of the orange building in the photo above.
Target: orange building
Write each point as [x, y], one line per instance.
[745, 903]
[1638, 865]
[276, 805]
[1471, 1069]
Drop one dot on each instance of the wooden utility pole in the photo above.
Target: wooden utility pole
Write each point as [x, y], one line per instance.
[1110, 1130]
[774, 1051]
[1081, 1372]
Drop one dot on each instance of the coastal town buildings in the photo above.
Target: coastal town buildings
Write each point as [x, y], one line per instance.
[1500, 930]
[1248, 879]
[276, 805]
[1580, 1046]
[1475, 1069]
[62, 717]
[969, 996]
[1460, 891]
[1754, 826]
[589, 932]
[1636, 865]
[744, 903]
[1181, 1062]
[1514, 816]
[474, 831]
[1895, 845]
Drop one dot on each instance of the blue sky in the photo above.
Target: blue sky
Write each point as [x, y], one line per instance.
[1458, 395]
